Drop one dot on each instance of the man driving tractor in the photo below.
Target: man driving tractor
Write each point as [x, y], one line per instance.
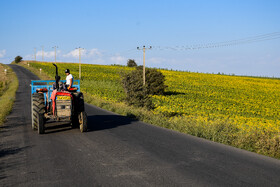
[69, 79]
[58, 86]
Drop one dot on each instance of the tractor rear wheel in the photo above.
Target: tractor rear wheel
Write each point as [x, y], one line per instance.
[79, 119]
[83, 121]
[37, 112]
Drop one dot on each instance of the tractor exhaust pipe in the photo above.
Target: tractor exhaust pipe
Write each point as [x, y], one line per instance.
[56, 70]
[57, 78]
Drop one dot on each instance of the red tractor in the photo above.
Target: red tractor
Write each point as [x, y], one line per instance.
[56, 103]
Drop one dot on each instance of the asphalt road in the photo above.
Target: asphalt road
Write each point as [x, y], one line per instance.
[118, 151]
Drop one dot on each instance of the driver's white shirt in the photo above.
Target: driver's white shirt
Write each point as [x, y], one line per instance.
[68, 78]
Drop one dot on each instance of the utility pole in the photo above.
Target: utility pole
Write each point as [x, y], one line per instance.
[144, 71]
[42, 53]
[55, 53]
[35, 53]
[80, 71]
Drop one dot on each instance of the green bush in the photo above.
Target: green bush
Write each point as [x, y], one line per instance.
[18, 59]
[154, 81]
[131, 63]
[136, 93]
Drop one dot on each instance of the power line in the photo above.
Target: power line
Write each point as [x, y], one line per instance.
[126, 52]
[259, 38]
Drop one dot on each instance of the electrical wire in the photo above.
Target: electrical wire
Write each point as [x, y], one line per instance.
[259, 38]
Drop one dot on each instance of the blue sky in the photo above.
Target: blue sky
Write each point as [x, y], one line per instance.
[109, 31]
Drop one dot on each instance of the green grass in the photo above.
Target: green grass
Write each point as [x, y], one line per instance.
[7, 92]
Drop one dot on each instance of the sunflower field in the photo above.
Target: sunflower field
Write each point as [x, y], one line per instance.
[235, 110]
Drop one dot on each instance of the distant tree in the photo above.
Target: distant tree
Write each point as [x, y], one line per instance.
[18, 59]
[131, 63]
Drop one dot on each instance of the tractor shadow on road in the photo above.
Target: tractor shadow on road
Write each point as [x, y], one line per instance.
[55, 127]
[103, 122]
[95, 123]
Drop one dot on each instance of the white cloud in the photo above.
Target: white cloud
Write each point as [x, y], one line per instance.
[91, 56]
[47, 55]
[94, 52]
[117, 59]
[72, 54]
[2, 53]
[84, 53]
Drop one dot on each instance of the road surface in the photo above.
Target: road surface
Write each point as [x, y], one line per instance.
[118, 151]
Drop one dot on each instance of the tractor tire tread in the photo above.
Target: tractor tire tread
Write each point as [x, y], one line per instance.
[37, 111]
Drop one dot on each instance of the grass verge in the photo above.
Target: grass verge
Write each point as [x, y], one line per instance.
[8, 92]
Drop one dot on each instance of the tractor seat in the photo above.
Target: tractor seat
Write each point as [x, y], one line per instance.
[41, 90]
[73, 89]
